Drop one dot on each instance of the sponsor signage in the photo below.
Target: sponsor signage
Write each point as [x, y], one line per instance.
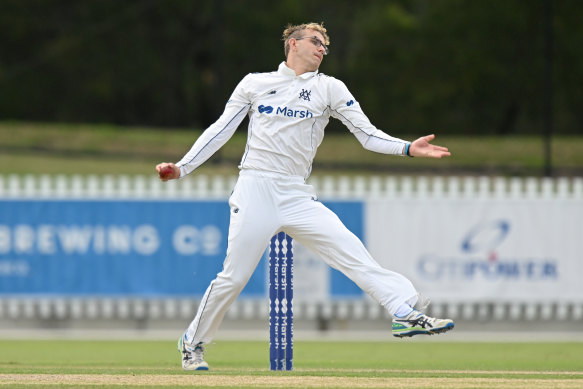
[482, 250]
[144, 248]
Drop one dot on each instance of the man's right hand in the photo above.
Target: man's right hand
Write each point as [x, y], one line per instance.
[167, 171]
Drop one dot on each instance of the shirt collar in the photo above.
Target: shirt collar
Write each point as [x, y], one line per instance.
[286, 71]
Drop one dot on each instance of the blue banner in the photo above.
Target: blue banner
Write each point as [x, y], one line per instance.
[121, 248]
[351, 213]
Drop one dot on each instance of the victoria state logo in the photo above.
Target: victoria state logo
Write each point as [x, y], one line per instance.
[285, 111]
[305, 94]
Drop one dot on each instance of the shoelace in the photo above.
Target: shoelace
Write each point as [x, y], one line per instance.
[198, 354]
[420, 320]
[423, 321]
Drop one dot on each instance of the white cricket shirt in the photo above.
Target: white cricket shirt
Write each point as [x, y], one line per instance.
[287, 117]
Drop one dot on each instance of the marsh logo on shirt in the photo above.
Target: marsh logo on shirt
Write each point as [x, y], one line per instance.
[285, 111]
[265, 109]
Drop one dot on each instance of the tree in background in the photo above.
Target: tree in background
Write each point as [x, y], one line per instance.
[466, 67]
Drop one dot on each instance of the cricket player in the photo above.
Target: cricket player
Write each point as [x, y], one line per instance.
[288, 111]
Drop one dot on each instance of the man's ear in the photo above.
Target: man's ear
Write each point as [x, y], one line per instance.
[292, 44]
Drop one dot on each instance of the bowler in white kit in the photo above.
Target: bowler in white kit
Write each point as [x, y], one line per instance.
[288, 110]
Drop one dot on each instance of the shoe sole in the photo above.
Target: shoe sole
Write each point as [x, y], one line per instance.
[197, 369]
[446, 328]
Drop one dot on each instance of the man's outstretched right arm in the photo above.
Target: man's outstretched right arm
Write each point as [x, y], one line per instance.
[213, 138]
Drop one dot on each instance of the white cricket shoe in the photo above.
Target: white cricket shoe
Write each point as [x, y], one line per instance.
[192, 357]
[417, 323]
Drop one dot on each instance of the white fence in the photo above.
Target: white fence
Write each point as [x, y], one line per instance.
[203, 187]
[183, 309]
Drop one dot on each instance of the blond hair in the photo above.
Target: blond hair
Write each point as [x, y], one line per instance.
[295, 31]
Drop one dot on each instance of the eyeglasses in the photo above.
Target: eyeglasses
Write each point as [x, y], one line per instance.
[316, 41]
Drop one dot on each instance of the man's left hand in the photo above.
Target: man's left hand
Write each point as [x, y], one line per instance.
[422, 148]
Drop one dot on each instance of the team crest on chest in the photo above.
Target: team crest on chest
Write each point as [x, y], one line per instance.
[305, 94]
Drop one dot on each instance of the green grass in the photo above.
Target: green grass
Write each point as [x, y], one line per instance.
[237, 363]
[33, 148]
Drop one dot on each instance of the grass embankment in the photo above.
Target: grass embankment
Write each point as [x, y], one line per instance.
[27, 148]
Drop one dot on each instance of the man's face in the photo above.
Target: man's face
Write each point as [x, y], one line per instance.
[308, 51]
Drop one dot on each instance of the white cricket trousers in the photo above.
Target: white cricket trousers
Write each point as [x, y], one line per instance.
[264, 203]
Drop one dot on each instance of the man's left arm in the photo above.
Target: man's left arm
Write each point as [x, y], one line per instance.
[344, 107]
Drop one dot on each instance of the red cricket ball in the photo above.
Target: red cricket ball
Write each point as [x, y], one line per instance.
[166, 172]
